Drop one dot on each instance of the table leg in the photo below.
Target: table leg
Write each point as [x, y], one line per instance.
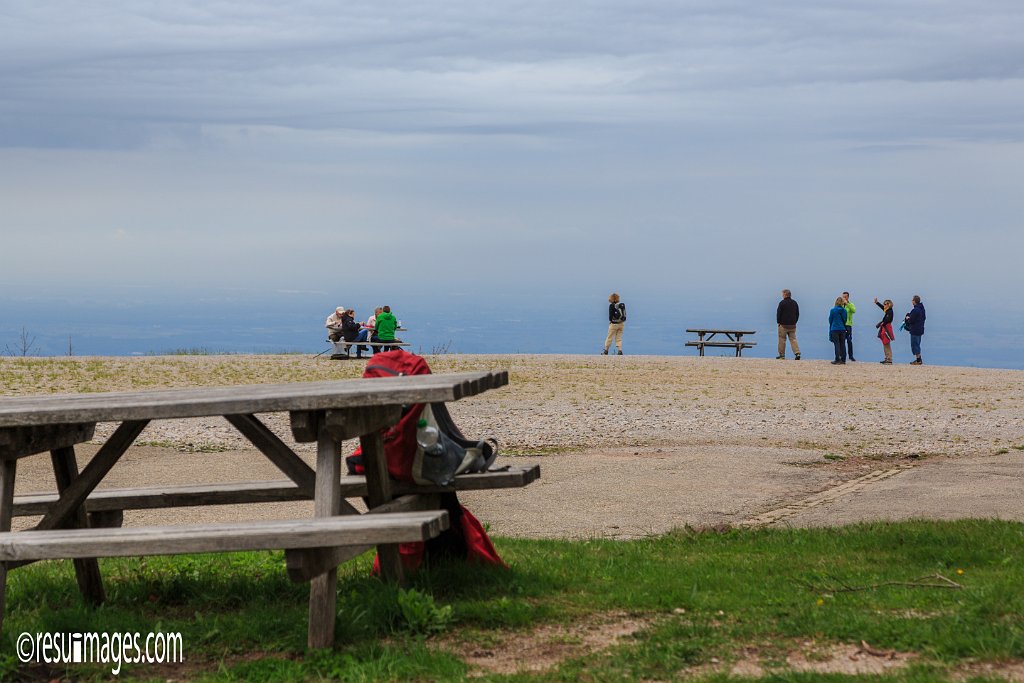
[87, 570]
[378, 492]
[323, 589]
[7, 471]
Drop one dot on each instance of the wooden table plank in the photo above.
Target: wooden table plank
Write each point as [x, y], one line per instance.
[59, 409]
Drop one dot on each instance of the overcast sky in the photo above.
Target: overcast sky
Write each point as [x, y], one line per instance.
[537, 146]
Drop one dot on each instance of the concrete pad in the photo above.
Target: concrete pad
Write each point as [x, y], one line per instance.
[946, 488]
[627, 493]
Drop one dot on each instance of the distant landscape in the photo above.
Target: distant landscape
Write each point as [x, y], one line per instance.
[151, 322]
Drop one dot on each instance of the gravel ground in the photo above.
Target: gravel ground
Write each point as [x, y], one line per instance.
[665, 440]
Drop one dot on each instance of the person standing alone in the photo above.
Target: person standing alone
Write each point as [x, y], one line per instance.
[616, 321]
[787, 316]
[850, 310]
[914, 322]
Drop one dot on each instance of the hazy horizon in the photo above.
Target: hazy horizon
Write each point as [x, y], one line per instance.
[144, 321]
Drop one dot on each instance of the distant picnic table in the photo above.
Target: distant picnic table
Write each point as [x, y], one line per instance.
[706, 336]
[82, 522]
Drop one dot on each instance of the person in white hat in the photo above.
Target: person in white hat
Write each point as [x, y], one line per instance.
[333, 324]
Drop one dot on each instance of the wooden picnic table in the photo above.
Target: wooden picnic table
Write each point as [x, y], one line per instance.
[735, 339]
[82, 522]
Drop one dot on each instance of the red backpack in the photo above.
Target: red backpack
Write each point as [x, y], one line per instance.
[399, 440]
[466, 538]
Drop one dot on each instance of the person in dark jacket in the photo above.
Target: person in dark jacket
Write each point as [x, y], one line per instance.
[787, 315]
[352, 331]
[837, 330]
[914, 322]
[884, 327]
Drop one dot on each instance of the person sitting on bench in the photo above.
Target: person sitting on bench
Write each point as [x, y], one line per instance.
[334, 325]
[352, 331]
[386, 324]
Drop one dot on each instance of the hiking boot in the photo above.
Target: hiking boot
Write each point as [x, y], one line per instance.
[839, 362]
[605, 352]
[917, 362]
[885, 362]
[780, 358]
[620, 352]
[797, 357]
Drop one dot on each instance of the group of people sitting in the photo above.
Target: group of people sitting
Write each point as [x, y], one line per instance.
[379, 329]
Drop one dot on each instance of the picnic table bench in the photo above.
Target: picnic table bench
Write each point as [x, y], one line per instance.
[341, 349]
[734, 337]
[82, 522]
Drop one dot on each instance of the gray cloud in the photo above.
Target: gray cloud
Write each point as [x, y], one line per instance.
[256, 142]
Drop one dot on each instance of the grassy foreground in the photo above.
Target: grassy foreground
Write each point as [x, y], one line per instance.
[700, 603]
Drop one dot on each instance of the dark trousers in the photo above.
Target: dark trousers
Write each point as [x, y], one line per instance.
[380, 349]
[849, 341]
[839, 341]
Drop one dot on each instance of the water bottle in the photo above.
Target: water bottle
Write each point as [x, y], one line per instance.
[428, 438]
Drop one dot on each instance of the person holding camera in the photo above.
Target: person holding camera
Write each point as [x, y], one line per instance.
[885, 334]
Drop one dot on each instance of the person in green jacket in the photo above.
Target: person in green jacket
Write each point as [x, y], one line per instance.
[850, 310]
[386, 325]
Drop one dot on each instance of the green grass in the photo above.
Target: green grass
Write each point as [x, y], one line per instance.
[704, 596]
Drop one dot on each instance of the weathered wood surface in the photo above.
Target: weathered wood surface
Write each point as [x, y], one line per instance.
[305, 564]
[276, 491]
[17, 442]
[323, 590]
[703, 330]
[370, 343]
[378, 492]
[401, 527]
[276, 450]
[352, 422]
[8, 468]
[724, 344]
[243, 400]
[87, 569]
[78, 488]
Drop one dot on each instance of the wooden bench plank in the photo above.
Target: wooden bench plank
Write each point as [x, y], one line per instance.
[244, 492]
[724, 344]
[398, 527]
[305, 564]
[53, 409]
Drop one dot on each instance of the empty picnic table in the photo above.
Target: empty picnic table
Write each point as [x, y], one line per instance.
[734, 337]
[82, 522]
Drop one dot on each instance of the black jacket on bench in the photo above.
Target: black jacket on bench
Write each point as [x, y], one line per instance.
[349, 328]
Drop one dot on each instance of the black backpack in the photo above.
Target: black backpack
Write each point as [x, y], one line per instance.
[619, 313]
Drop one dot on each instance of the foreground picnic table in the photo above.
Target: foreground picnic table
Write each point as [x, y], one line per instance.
[735, 339]
[81, 522]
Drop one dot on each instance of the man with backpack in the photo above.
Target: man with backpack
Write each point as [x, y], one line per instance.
[616, 321]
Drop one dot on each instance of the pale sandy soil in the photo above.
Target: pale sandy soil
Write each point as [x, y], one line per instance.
[628, 445]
